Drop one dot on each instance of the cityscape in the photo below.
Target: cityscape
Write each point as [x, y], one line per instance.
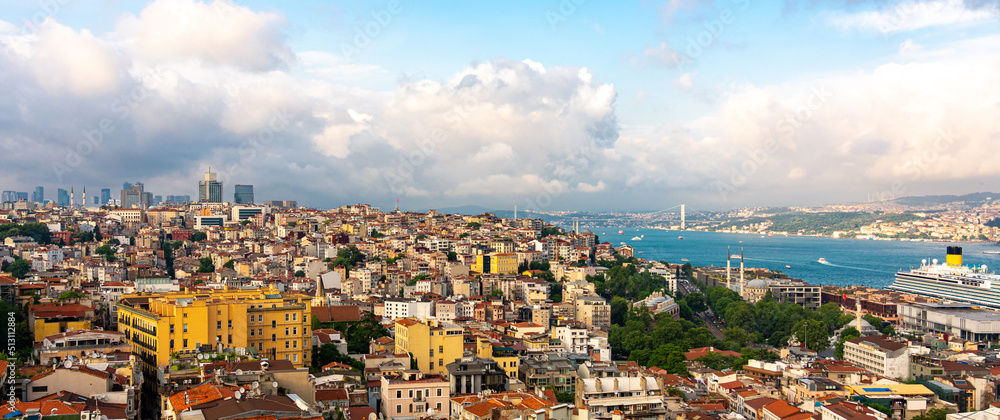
[553, 210]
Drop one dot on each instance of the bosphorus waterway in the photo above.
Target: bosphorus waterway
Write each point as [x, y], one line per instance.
[849, 262]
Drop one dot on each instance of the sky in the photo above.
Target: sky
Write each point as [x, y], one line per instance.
[546, 105]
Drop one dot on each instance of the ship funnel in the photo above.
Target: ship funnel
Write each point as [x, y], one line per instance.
[954, 257]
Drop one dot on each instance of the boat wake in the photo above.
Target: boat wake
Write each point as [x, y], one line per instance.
[852, 267]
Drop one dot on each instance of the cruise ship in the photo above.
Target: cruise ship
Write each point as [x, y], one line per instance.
[951, 281]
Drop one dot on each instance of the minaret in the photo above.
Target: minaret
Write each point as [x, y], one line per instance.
[857, 314]
[320, 299]
[71, 200]
[729, 260]
[84, 196]
[741, 272]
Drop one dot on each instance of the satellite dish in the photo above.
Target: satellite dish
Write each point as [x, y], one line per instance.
[237, 394]
[372, 416]
[923, 261]
[68, 364]
[256, 385]
[984, 267]
[201, 356]
[934, 261]
[239, 371]
[430, 411]
[274, 384]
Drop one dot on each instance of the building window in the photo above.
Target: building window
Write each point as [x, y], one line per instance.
[432, 353]
[287, 317]
[185, 329]
[230, 323]
[260, 346]
[399, 394]
[260, 332]
[399, 408]
[251, 332]
[218, 325]
[230, 339]
[295, 330]
[274, 323]
[260, 317]
[171, 328]
[440, 349]
[295, 344]
[286, 331]
[171, 344]
[440, 362]
[295, 357]
[439, 394]
[218, 312]
[184, 344]
[185, 315]
[295, 317]
[40, 389]
[274, 338]
[286, 344]
[411, 394]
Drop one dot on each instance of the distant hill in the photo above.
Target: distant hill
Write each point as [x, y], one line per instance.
[474, 210]
[938, 200]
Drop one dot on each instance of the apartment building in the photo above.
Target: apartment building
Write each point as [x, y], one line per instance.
[433, 344]
[630, 397]
[880, 355]
[276, 326]
[414, 395]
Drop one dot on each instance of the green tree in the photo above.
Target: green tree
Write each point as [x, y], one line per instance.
[619, 309]
[206, 265]
[114, 241]
[697, 302]
[848, 333]
[300, 273]
[812, 334]
[452, 256]
[19, 268]
[230, 264]
[496, 293]
[70, 295]
[199, 236]
[933, 414]
[474, 225]
[555, 292]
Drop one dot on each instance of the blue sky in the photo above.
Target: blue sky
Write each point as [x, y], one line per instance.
[551, 105]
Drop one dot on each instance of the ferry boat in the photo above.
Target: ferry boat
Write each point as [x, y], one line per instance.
[951, 281]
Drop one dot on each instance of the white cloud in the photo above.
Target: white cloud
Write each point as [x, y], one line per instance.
[663, 55]
[797, 173]
[909, 47]
[78, 62]
[686, 80]
[587, 188]
[912, 15]
[217, 33]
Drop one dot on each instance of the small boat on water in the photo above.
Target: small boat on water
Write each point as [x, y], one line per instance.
[680, 237]
[684, 259]
[621, 232]
[822, 261]
[787, 266]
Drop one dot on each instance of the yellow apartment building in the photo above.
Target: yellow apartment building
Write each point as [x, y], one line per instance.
[433, 345]
[495, 264]
[506, 357]
[276, 326]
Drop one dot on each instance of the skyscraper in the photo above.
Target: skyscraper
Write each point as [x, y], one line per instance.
[136, 197]
[39, 195]
[62, 197]
[210, 190]
[244, 194]
[8, 196]
[22, 196]
[105, 195]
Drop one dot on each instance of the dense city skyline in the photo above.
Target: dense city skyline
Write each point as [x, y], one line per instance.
[550, 106]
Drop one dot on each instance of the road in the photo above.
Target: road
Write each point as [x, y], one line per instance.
[713, 326]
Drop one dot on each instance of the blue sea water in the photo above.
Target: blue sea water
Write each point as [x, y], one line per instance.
[848, 261]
